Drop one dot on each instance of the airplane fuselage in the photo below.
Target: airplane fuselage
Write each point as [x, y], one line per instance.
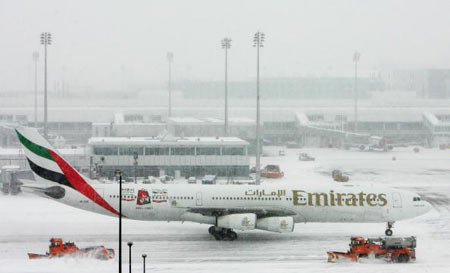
[307, 203]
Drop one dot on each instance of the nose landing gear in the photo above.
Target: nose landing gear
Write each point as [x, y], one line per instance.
[222, 234]
[388, 230]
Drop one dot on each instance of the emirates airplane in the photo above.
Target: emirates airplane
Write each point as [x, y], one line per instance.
[273, 208]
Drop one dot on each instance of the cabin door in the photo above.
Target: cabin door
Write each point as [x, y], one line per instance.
[198, 199]
[396, 200]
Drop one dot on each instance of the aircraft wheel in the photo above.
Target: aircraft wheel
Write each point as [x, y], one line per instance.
[388, 232]
[218, 236]
[232, 235]
[212, 230]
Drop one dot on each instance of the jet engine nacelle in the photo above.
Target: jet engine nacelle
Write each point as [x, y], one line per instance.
[276, 224]
[243, 221]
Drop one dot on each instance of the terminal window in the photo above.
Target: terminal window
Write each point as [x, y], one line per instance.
[105, 150]
[182, 150]
[131, 150]
[157, 150]
[233, 151]
[208, 150]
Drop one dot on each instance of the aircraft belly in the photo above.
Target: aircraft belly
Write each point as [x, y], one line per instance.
[375, 214]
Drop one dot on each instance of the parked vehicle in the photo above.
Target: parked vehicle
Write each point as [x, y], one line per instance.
[305, 157]
[209, 179]
[192, 180]
[338, 176]
[10, 177]
[272, 171]
[166, 178]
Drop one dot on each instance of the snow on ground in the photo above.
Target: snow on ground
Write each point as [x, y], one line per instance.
[27, 223]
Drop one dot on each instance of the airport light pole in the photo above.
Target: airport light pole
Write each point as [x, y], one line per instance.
[170, 60]
[135, 157]
[356, 56]
[46, 39]
[130, 244]
[258, 41]
[35, 59]
[119, 174]
[226, 44]
[143, 258]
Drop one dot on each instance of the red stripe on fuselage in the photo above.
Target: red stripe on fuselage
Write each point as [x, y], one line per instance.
[80, 184]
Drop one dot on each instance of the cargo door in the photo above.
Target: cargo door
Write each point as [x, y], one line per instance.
[198, 199]
[396, 200]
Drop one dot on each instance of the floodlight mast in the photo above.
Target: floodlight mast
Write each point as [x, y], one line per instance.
[170, 60]
[118, 174]
[226, 44]
[46, 39]
[356, 57]
[258, 42]
[35, 59]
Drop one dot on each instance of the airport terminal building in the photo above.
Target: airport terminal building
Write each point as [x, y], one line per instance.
[175, 156]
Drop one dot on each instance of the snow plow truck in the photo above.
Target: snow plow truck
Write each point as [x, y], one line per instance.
[401, 250]
[58, 249]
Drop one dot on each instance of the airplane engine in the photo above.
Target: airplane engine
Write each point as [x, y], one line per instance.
[244, 221]
[276, 224]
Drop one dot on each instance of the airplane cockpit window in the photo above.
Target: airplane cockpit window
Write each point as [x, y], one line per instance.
[416, 199]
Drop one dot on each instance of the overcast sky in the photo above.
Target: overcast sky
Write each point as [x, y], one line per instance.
[102, 44]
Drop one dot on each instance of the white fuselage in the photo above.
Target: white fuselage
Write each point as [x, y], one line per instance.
[308, 203]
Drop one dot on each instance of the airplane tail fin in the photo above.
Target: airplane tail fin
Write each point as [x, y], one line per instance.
[46, 163]
[41, 156]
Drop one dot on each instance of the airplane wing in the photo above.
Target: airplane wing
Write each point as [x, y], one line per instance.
[260, 212]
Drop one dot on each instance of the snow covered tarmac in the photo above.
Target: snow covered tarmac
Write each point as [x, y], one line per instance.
[27, 223]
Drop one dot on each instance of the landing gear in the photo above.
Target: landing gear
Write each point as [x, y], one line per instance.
[388, 231]
[222, 234]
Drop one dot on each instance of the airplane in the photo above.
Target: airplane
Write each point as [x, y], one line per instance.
[372, 142]
[376, 143]
[274, 207]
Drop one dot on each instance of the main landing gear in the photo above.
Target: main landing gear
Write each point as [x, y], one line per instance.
[222, 234]
[388, 230]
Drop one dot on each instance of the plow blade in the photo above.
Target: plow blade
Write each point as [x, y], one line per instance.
[36, 256]
[335, 257]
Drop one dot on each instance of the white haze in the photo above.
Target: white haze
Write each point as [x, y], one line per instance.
[99, 45]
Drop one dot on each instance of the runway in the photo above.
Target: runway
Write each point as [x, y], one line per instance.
[27, 223]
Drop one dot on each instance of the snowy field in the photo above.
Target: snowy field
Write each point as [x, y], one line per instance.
[27, 223]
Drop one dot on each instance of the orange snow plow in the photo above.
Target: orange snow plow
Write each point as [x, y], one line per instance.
[400, 250]
[58, 249]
